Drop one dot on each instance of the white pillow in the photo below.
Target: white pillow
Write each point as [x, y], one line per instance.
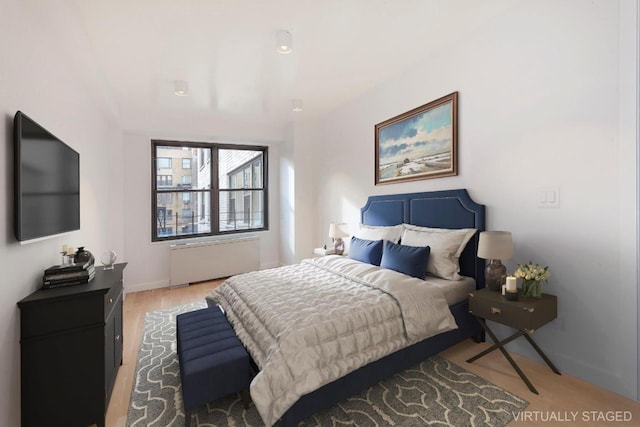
[446, 246]
[391, 233]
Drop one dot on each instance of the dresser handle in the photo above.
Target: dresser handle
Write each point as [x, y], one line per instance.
[495, 310]
[110, 300]
[529, 309]
[117, 337]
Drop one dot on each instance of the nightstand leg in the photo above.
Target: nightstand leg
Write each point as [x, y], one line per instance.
[495, 346]
[498, 345]
[541, 353]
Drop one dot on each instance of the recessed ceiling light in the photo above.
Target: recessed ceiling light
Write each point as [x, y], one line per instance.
[285, 42]
[181, 88]
[296, 105]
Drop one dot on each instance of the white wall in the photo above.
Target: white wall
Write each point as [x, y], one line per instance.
[543, 102]
[42, 79]
[149, 261]
[297, 202]
[287, 186]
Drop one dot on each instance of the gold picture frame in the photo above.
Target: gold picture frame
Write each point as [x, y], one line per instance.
[419, 144]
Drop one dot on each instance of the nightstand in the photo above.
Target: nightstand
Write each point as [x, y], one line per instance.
[526, 315]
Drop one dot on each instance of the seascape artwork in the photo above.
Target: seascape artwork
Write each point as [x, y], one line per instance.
[417, 146]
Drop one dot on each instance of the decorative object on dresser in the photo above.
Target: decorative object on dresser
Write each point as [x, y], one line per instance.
[68, 275]
[337, 231]
[495, 246]
[83, 256]
[462, 397]
[108, 259]
[70, 351]
[525, 315]
[419, 144]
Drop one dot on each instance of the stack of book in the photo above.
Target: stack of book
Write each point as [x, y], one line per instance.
[68, 275]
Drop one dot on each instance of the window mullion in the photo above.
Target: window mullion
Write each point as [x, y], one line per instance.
[215, 192]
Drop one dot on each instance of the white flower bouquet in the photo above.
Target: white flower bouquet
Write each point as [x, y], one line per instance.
[532, 271]
[531, 275]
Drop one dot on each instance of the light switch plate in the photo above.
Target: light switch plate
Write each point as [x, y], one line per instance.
[549, 197]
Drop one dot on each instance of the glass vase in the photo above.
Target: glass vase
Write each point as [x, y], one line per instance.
[531, 288]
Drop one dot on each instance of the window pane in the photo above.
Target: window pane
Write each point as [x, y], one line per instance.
[241, 210]
[183, 213]
[236, 170]
[174, 168]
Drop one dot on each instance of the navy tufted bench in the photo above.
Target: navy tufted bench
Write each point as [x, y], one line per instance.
[213, 361]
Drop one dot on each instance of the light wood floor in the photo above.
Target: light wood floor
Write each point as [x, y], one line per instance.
[559, 395]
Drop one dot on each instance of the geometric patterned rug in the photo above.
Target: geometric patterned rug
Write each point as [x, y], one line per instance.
[435, 392]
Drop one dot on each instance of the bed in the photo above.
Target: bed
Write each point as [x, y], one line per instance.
[451, 209]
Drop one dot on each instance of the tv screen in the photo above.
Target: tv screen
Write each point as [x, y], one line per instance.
[47, 182]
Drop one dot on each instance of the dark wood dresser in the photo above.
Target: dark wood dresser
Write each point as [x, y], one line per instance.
[71, 349]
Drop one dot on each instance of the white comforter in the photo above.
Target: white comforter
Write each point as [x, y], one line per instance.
[309, 324]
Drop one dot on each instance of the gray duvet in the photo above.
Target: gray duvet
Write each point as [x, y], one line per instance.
[308, 324]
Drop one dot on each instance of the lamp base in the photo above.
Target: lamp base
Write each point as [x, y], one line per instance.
[495, 275]
[338, 245]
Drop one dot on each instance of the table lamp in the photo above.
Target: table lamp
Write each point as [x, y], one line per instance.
[495, 246]
[337, 231]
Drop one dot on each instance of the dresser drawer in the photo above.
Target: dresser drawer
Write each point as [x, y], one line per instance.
[60, 314]
[527, 313]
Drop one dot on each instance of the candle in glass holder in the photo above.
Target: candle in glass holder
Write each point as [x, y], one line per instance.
[511, 284]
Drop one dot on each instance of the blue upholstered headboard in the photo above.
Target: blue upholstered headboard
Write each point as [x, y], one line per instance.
[439, 209]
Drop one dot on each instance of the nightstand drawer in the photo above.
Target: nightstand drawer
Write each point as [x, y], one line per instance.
[527, 313]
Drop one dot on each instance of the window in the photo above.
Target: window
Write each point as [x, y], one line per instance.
[164, 162]
[165, 180]
[225, 194]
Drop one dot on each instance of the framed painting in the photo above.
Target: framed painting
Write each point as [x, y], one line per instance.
[419, 144]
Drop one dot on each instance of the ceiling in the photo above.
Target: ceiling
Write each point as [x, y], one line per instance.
[226, 51]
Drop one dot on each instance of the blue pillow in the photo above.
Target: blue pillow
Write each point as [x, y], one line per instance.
[410, 260]
[369, 251]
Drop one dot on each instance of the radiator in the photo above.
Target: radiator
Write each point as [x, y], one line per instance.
[198, 261]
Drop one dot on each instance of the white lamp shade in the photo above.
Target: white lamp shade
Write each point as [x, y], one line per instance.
[338, 230]
[495, 245]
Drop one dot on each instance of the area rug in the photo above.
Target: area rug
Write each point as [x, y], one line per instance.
[435, 392]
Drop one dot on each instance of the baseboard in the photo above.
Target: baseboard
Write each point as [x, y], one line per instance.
[139, 287]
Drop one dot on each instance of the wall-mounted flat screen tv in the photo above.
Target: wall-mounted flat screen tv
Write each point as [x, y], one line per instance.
[47, 182]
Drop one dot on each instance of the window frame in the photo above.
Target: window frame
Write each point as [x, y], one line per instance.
[212, 188]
